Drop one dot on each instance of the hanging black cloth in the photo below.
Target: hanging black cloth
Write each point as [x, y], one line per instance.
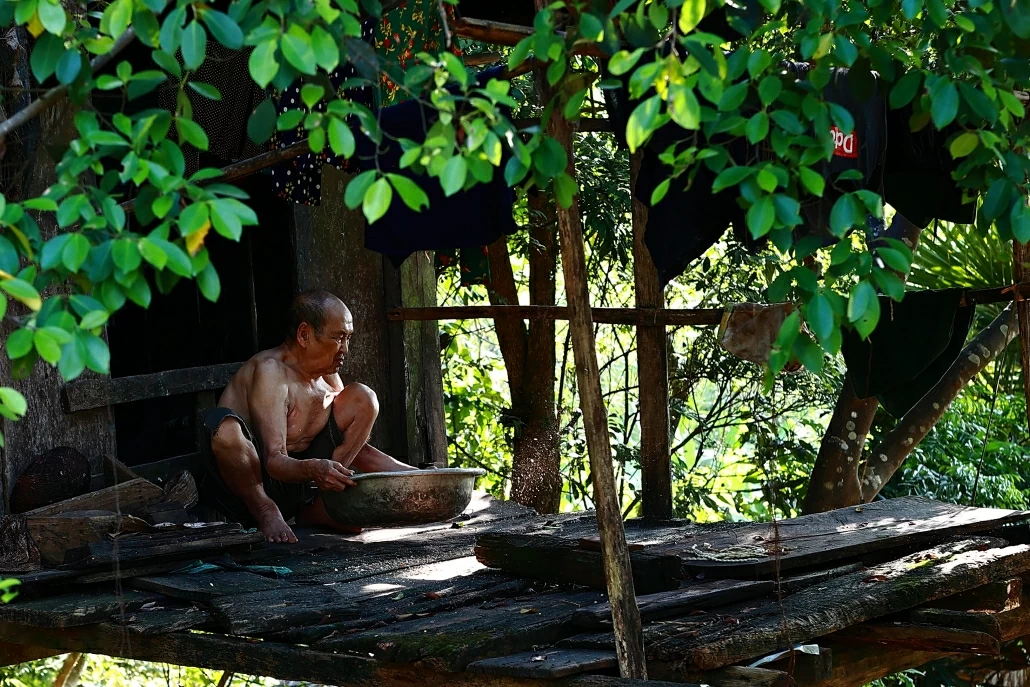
[912, 347]
[468, 219]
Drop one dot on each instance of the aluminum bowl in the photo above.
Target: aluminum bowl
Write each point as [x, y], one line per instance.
[392, 499]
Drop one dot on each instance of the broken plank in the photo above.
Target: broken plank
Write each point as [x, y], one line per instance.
[163, 620]
[915, 637]
[104, 391]
[453, 640]
[549, 663]
[679, 601]
[180, 544]
[206, 586]
[279, 609]
[55, 534]
[556, 560]
[70, 610]
[126, 497]
[889, 588]
[846, 533]
[986, 623]
[995, 597]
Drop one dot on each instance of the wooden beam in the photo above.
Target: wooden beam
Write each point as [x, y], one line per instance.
[97, 393]
[629, 636]
[915, 637]
[1020, 271]
[652, 371]
[13, 654]
[125, 497]
[697, 317]
[501, 33]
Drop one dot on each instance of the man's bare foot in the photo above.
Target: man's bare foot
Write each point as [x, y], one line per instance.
[270, 522]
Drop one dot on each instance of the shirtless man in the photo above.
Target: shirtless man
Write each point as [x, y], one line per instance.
[287, 426]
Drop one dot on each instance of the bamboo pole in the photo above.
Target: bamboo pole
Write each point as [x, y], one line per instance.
[652, 317]
[627, 626]
[1020, 257]
[652, 370]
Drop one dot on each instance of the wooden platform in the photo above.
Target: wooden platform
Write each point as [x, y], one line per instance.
[869, 590]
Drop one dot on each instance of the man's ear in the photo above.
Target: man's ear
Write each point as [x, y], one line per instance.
[304, 334]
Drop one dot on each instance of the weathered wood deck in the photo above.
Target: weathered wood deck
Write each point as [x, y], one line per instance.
[878, 588]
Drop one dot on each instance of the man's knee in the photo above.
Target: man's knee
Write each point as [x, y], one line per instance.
[360, 400]
[229, 442]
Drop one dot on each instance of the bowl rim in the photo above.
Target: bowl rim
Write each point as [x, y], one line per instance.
[471, 472]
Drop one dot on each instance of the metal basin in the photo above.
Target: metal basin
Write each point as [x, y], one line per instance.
[415, 497]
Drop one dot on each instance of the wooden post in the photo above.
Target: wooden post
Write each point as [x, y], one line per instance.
[1020, 257]
[629, 638]
[652, 371]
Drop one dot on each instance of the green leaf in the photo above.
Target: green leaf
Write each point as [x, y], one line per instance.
[520, 52]
[863, 295]
[94, 319]
[622, 61]
[356, 189]
[225, 220]
[642, 121]
[75, 252]
[341, 139]
[72, 362]
[944, 104]
[153, 253]
[819, 315]
[684, 108]
[691, 14]
[910, 8]
[96, 353]
[68, 66]
[171, 30]
[564, 189]
[23, 291]
[139, 291]
[1019, 221]
[52, 16]
[731, 176]
[209, 284]
[206, 90]
[192, 219]
[733, 97]
[757, 127]
[262, 63]
[126, 255]
[116, 18]
[452, 176]
[327, 52]
[964, 144]
[223, 28]
[261, 124]
[659, 192]
[808, 353]
[411, 193]
[905, 89]
[843, 216]
[893, 259]
[13, 399]
[47, 346]
[813, 182]
[297, 49]
[194, 45]
[311, 93]
[19, 343]
[590, 27]
[760, 217]
[769, 89]
[758, 62]
[377, 199]
[45, 55]
[190, 132]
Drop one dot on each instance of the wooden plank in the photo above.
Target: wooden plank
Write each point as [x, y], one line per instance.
[279, 609]
[832, 536]
[97, 393]
[652, 370]
[915, 637]
[162, 471]
[882, 590]
[667, 604]
[54, 535]
[153, 548]
[556, 560]
[548, 664]
[995, 597]
[672, 317]
[984, 623]
[206, 586]
[70, 610]
[13, 654]
[163, 620]
[453, 640]
[126, 497]
[116, 472]
[795, 583]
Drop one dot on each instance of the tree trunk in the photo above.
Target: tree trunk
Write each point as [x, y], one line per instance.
[1020, 258]
[838, 462]
[886, 458]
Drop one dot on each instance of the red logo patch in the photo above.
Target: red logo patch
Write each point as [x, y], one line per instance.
[844, 146]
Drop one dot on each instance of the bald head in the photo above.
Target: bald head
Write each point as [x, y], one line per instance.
[317, 308]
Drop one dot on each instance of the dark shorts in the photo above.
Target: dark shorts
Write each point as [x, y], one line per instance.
[291, 498]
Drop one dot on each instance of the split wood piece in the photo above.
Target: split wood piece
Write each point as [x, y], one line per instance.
[73, 609]
[13, 654]
[548, 558]
[116, 472]
[679, 601]
[54, 535]
[921, 638]
[207, 586]
[18, 552]
[279, 609]
[453, 640]
[985, 623]
[547, 663]
[182, 489]
[846, 533]
[790, 585]
[1020, 272]
[629, 316]
[995, 597]
[127, 497]
[132, 551]
[882, 590]
[105, 391]
[159, 621]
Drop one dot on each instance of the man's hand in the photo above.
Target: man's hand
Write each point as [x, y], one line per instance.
[330, 475]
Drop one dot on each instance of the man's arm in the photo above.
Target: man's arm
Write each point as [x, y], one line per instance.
[268, 408]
